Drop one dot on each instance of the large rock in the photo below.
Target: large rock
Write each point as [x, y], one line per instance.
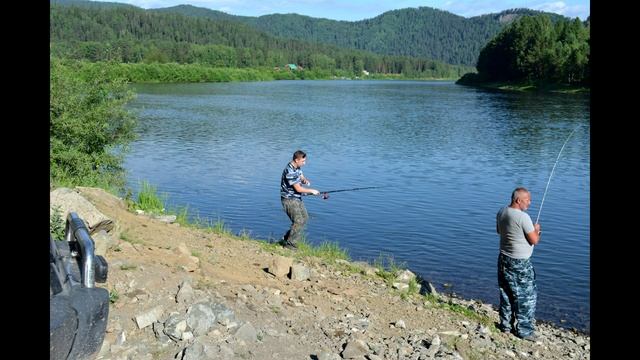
[103, 242]
[280, 266]
[69, 200]
[94, 194]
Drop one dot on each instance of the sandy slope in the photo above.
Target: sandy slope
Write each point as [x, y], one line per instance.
[293, 319]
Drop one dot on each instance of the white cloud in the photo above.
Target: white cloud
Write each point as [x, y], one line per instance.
[558, 7]
[562, 8]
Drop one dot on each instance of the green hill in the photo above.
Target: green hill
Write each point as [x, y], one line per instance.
[415, 32]
[133, 35]
[418, 32]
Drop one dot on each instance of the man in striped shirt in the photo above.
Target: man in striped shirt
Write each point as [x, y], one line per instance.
[291, 191]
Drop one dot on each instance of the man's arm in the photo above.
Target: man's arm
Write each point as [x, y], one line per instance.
[533, 237]
[305, 190]
[304, 180]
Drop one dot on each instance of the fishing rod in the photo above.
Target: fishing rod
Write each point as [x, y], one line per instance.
[554, 167]
[352, 189]
[325, 194]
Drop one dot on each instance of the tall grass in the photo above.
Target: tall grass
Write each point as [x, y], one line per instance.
[465, 311]
[57, 223]
[327, 250]
[387, 268]
[182, 215]
[148, 199]
[219, 227]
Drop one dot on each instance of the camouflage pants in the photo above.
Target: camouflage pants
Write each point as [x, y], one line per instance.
[518, 295]
[298, 214]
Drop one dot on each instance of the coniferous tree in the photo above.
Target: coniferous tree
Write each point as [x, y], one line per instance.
[534, 49]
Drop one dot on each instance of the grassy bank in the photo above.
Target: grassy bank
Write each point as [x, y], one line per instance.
[526, 87]
[195, 73]
[522, 86]
[151, 202]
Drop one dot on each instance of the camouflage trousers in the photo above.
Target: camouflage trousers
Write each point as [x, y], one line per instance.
[518, 295]
[297, 213]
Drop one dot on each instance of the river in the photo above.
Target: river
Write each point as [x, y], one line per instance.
[446, 157]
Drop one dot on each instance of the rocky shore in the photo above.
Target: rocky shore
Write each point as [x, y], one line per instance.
[184, 293]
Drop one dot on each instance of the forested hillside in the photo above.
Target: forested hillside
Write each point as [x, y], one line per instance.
[419, 32]
[132, 35]
[416, 32]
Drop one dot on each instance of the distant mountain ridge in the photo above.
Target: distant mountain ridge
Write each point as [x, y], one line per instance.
[416, 32]
[420, 32]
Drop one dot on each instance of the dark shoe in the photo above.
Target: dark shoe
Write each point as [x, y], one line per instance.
[533, 337]
[290, 246]
[504, 329]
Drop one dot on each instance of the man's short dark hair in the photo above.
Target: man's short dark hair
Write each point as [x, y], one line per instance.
[299, 155]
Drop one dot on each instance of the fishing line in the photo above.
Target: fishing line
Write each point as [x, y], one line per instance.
[554, 167]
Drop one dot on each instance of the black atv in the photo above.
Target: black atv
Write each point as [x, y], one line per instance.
[78, 310]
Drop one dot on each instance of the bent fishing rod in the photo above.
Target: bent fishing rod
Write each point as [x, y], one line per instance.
[554, 167]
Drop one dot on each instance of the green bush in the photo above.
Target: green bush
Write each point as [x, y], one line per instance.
[89, 127]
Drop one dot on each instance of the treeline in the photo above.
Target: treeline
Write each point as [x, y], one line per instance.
[173, 72]
[537, 50]
[132, 35]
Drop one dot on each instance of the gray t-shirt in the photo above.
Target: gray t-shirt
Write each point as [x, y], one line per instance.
[512, 224]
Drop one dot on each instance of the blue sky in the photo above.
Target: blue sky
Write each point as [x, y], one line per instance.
[353, 10]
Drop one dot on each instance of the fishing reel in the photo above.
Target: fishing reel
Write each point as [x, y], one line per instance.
[325, 195]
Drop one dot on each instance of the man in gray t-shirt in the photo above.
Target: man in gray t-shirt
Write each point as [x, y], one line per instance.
[516, 275]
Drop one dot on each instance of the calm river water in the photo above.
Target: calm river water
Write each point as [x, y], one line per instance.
[448, 157]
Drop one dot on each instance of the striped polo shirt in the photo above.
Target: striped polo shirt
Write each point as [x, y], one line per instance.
[290, 176]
